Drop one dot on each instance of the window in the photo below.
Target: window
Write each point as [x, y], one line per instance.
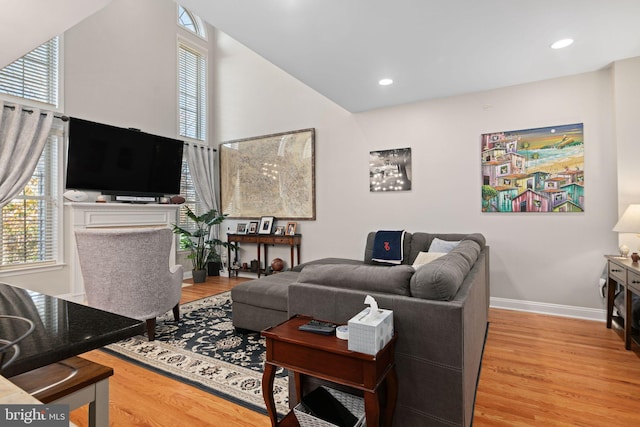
[190, 22]
[34, 76]
[192, 100]
[29, 223]
[188, 191]
[192, 93]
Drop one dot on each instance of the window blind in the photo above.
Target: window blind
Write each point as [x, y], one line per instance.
[192, 93]
[34, 76]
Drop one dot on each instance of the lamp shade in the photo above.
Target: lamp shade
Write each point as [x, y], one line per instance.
[629, 222]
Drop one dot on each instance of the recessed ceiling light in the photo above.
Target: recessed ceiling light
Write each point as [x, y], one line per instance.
[562, 43]
[385, 82]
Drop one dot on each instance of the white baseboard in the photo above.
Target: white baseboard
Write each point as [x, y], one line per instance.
[550, 309]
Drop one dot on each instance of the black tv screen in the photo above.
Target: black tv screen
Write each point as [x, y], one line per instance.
[121, 161]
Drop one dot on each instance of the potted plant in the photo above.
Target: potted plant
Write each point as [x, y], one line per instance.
[203, 249]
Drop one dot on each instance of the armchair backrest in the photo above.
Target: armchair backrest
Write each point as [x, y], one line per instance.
[126, 270]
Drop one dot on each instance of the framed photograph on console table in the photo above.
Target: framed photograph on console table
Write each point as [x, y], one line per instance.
[253, 227]
[291, 228]
[266, 225]
[272, 173]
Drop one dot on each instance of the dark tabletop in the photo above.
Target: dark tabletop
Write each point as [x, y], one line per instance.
[61, 329]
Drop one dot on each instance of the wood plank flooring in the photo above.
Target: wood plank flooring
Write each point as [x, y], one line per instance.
[537, 370]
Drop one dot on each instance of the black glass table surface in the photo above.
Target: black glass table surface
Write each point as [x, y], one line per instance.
[54, 329]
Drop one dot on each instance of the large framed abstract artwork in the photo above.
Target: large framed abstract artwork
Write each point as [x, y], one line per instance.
[270, 175]
[534, 170]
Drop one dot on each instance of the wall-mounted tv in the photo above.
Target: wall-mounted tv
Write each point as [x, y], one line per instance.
[120, 161]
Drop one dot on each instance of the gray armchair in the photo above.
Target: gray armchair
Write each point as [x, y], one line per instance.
[126, 271]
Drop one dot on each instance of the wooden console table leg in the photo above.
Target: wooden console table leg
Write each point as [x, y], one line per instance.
[267, 392]
[292, 257]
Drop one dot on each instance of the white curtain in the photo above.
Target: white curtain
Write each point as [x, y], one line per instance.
[23, 134]
[201, 166]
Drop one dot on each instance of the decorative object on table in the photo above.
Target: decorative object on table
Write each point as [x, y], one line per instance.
[266, 225]
[279, 230]
[277, 264]
[255, 266]
[75, 196]
[271, 173]
[629, 222]
[390, 170]
[253, 227]
[371, 329]
[101, 198]
[635, 257]
[198, 240]
[241, 228]
[624, 251]
[291, 228]
[177, 200]
[551, 159]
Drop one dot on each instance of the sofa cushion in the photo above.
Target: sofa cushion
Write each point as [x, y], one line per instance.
[300, 267]
[441, 278]
[391, 280]
[439, 245]
[269, 291]
[425, 258]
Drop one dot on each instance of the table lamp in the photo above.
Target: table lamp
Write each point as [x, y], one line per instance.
[629, 222]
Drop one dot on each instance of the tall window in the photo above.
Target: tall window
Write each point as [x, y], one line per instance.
[29, 223]
[192, 99]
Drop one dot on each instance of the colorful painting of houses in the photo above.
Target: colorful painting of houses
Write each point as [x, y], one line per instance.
[534, 170]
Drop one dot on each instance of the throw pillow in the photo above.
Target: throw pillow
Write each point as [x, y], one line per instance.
[438, 245]
[425, 258]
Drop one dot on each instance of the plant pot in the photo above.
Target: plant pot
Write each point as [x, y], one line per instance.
[213, 268]
[199, 276]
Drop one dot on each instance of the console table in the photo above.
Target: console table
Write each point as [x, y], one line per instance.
[625, 273]
[293, 241]
[328, 358]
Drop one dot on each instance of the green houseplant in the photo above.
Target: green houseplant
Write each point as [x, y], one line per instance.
[197, 240]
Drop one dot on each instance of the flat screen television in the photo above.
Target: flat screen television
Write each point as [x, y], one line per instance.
[120, 161]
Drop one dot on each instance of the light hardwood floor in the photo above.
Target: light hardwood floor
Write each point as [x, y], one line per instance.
[537, 370]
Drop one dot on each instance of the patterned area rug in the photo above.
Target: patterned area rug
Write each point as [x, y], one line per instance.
[202, 349]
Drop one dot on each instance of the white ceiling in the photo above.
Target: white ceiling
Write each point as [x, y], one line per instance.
[430, 48]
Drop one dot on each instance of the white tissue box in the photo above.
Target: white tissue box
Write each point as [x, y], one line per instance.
[369, 334]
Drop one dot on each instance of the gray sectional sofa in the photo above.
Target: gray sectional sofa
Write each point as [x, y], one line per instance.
[440, 312]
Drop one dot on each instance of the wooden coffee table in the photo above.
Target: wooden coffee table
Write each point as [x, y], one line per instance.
[328, 358]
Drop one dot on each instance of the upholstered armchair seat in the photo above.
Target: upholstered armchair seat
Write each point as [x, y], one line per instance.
[126, 271]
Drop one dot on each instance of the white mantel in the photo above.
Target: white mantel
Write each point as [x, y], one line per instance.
[101, 215]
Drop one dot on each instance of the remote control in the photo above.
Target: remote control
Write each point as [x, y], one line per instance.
[318, 327]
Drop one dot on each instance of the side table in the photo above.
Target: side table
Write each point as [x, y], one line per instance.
[625, 273]
[328, 358]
